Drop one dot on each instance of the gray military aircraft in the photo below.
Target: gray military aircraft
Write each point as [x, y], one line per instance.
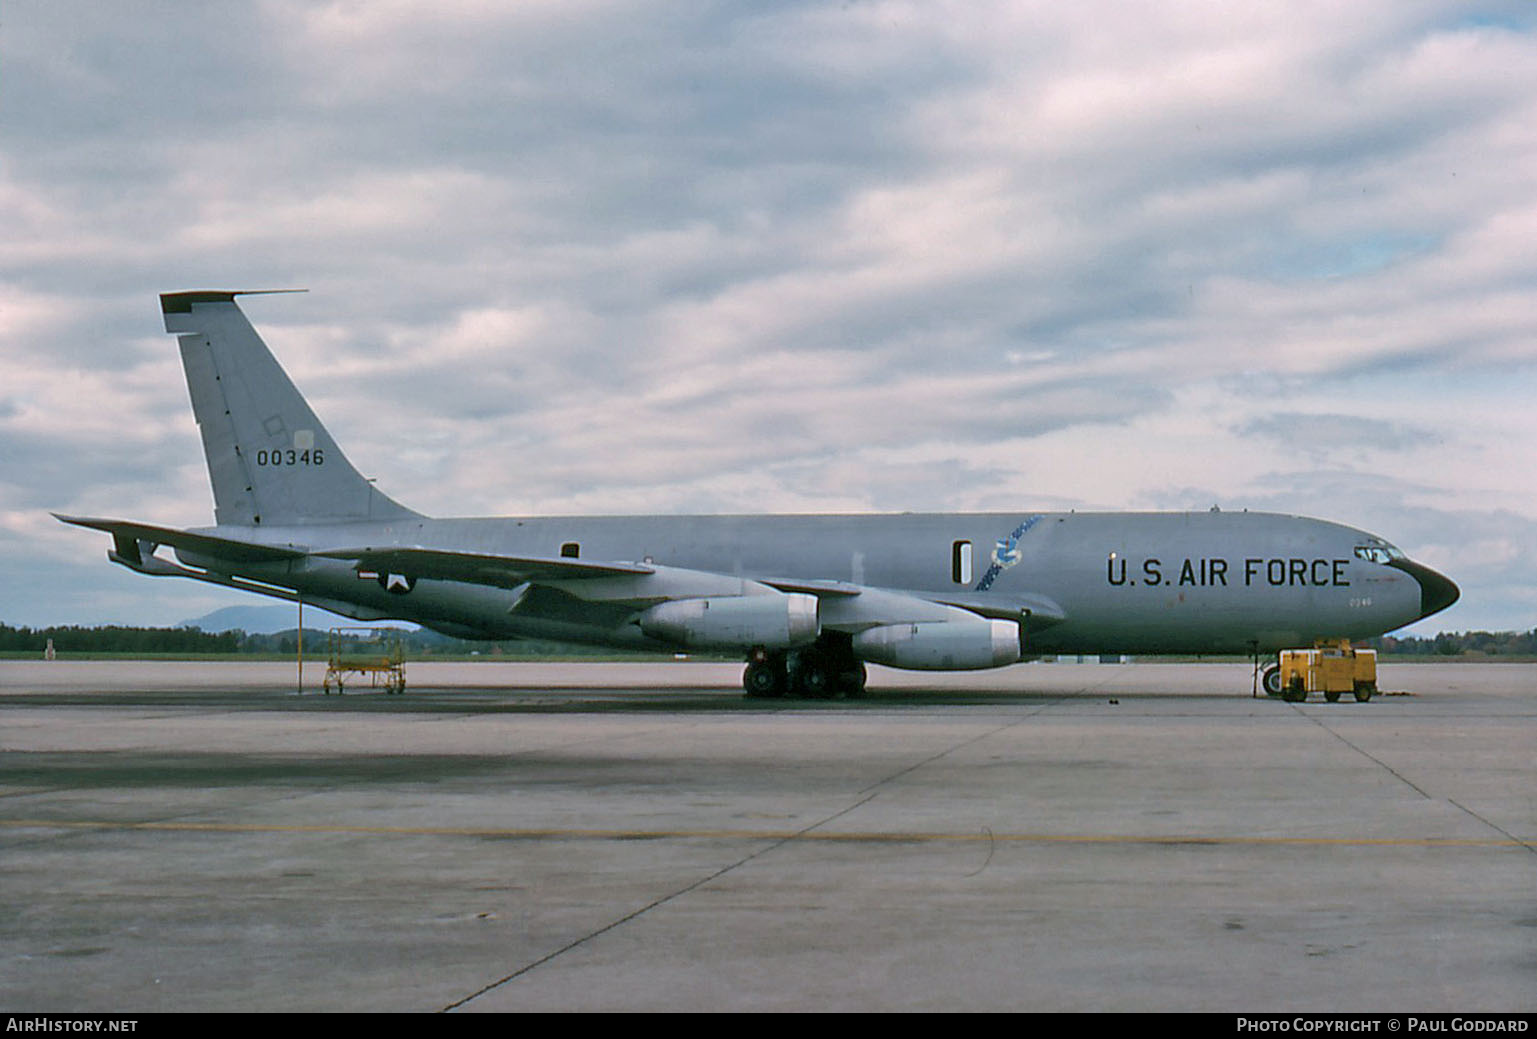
[806, 599]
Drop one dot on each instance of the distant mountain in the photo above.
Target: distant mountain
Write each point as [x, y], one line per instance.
[266, 620]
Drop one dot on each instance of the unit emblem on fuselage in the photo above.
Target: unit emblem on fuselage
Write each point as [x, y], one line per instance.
[1006, 553]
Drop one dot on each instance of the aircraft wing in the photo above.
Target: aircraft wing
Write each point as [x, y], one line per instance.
[477, 568]
[516, 572]
[1043, 611]
[128, 535]
[817, 588]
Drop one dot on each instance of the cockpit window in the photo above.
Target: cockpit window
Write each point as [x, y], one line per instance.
[1380, 552]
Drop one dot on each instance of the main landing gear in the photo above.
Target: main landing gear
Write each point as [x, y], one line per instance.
[820, 671]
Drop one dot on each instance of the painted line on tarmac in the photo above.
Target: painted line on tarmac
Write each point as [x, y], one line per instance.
[873, 837]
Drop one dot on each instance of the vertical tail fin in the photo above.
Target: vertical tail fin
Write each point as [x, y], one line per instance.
[270, 460]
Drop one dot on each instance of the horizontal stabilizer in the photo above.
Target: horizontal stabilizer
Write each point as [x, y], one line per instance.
[475, 568]
[202, 544]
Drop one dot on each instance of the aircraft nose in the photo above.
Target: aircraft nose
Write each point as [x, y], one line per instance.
[1437, 591]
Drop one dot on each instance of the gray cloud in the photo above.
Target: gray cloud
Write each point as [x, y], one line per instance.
[1337, 435]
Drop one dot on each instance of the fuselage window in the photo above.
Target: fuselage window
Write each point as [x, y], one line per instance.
[570, 550]
[960, 562]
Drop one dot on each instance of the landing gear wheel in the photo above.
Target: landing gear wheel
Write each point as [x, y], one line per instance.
[1271, 680]
[815, 678]
[852, 681]
[764, 678]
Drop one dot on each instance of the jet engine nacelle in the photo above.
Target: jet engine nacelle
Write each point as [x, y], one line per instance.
[957, 645]
[773, 621]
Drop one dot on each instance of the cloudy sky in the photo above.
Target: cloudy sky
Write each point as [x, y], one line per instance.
[618, 257]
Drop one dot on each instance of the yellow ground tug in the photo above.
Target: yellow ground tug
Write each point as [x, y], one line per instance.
[372, 652]
[1331, 667]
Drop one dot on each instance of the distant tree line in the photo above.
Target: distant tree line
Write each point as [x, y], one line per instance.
[118, 639]
[1456, 643]
[122, 639]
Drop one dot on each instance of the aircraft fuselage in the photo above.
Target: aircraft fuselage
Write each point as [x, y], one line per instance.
[1197, 582]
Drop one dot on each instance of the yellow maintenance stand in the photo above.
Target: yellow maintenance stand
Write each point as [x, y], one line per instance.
[1331, 667]
[374, 652]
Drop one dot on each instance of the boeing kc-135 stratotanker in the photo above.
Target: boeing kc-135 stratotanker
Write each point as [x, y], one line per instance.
[807, 599]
